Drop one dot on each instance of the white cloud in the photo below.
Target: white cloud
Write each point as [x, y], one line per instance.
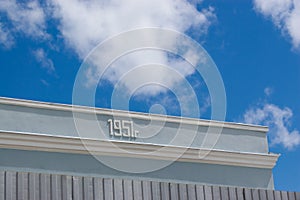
[27, 18]
[268, 91]
[84, 24]
[6, 39]
[205, 105]
[46, 63]
[154, 66]
[279, 121]
[285, 14]
[293, 22]
[44, 82]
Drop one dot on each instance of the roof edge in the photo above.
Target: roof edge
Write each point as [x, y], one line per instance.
[137, 115]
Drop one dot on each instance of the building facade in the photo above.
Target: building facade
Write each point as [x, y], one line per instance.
[54, 151]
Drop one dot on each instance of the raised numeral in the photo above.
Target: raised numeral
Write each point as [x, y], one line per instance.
[121, 128]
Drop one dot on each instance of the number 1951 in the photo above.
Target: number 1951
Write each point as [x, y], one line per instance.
[121, 128]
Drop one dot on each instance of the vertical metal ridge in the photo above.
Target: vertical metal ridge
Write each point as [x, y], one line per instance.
[34, 186]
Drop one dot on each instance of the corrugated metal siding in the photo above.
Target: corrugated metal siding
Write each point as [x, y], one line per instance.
[34, 186]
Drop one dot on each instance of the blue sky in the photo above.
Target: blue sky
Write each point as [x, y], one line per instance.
[254, 43]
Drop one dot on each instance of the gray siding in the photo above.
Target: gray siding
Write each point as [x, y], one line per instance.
[23, 185]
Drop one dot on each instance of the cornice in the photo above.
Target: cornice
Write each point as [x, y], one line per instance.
[63, 144]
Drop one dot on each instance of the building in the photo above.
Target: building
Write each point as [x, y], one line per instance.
[56, 151]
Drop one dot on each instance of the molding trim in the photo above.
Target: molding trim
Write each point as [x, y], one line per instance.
[50, 143]
[136, 115]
